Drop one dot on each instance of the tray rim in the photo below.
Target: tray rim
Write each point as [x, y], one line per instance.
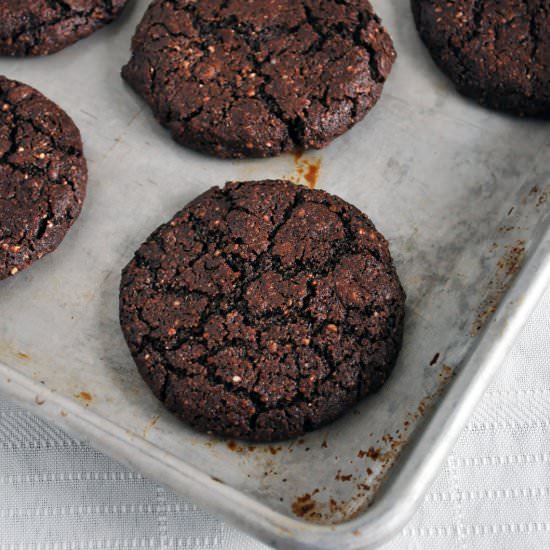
[407, 482]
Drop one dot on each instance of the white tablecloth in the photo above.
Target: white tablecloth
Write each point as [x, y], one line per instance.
[492, 494]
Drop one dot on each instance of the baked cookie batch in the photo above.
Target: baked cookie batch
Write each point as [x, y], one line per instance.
[262, 310]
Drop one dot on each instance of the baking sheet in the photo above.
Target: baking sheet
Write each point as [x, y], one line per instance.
[460, 193]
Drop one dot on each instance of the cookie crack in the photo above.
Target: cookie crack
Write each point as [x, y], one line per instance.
[54, 146]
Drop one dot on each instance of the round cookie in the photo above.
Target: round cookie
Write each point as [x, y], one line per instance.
[263, 310]
[495, 51]
[42, 27]
[260, 77]
[43, 176]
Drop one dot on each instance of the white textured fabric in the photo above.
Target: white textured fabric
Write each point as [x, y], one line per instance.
[493, 493]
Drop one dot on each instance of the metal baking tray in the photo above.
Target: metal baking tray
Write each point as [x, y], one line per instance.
[460, 192]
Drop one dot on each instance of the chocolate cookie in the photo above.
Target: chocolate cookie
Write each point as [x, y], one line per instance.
[257, 78]
[263, 310]
[42, 176]
[495, 51]
[41, 27]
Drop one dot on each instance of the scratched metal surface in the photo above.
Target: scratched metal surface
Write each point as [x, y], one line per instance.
[460, 192]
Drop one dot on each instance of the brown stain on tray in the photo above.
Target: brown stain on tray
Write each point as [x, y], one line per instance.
[150, 425]
[234, 446]
[307, 170]
[305, 506]
[245, 449]
[331, 510]
[312, 173]
[507, 268]
[540, 194]
[326, 509]
[86, 397]
[298, 156]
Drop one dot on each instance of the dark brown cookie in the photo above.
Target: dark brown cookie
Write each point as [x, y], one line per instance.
[41, 27]
[42, 176]
[263, 310]
[495, 51]
[259, 77]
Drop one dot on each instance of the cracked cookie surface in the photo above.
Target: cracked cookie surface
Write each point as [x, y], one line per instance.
[42, 27]
[43, 176]
[263, 310]
[495, 51]
[257, 78]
